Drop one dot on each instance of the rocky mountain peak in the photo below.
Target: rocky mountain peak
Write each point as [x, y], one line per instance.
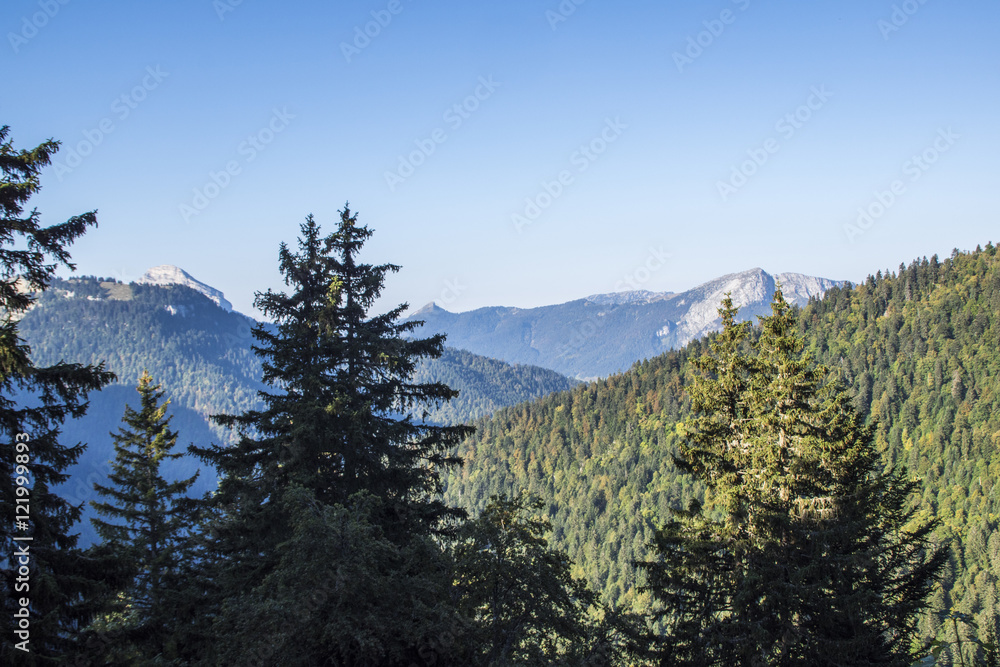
[168, 274]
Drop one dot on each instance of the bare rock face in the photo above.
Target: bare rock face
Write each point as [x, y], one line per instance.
[168, 274]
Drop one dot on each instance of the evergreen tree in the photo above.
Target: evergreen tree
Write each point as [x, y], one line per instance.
[150, 518]
[342, 593]
[524, 605]
[61, 583]
[343, 417]
[520, 603]
[812, 554]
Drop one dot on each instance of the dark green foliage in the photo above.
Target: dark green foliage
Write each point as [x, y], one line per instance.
[338, 420]
[342, 378]
[199, 353]
[148, 522]
[523, 605]
[341, 593]
[35, 401]
[601, 455]
[815, 557]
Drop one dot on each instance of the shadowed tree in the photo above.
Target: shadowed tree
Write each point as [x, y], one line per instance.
[34, 402]
[149, 518]
[342, 417]
[521, 602]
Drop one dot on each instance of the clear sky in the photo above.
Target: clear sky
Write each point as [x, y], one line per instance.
[513, 153]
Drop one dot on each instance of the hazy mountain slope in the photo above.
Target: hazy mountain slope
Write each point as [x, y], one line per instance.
[485, 384]
[920, 349]
[607, 333]
[200, 351]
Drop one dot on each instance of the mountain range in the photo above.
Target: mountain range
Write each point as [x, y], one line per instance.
[607, 333]
[188, 337]
[917, 347]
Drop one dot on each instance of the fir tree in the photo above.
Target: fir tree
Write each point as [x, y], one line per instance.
[149, 521]
[34, 402]
[342, 593]
[812, 554]
[343, 417]
[521, 604]
[524, 606]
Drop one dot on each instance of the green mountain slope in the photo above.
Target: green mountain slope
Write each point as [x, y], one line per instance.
[201, 354]
[921, 349]
[485, 384]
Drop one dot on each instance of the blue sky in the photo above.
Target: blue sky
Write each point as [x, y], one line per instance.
[516, 153]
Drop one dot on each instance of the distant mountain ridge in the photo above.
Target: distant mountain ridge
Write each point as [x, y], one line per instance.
[606, 333]
[200, 351]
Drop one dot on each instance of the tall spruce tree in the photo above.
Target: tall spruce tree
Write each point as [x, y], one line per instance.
[149, 518]
[61, 581]
[525, 606]
[343, 418]
[521, 604]
[812, 553]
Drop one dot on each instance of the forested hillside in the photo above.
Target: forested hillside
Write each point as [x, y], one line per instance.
[201, 355]
[920, 349]
[199, 352]
[485, 384]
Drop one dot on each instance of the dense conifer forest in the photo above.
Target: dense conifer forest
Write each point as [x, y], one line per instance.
[819, 489]
[919, 349]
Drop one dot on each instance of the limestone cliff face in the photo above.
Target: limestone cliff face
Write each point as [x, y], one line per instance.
[168, 274]
[751, 290]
